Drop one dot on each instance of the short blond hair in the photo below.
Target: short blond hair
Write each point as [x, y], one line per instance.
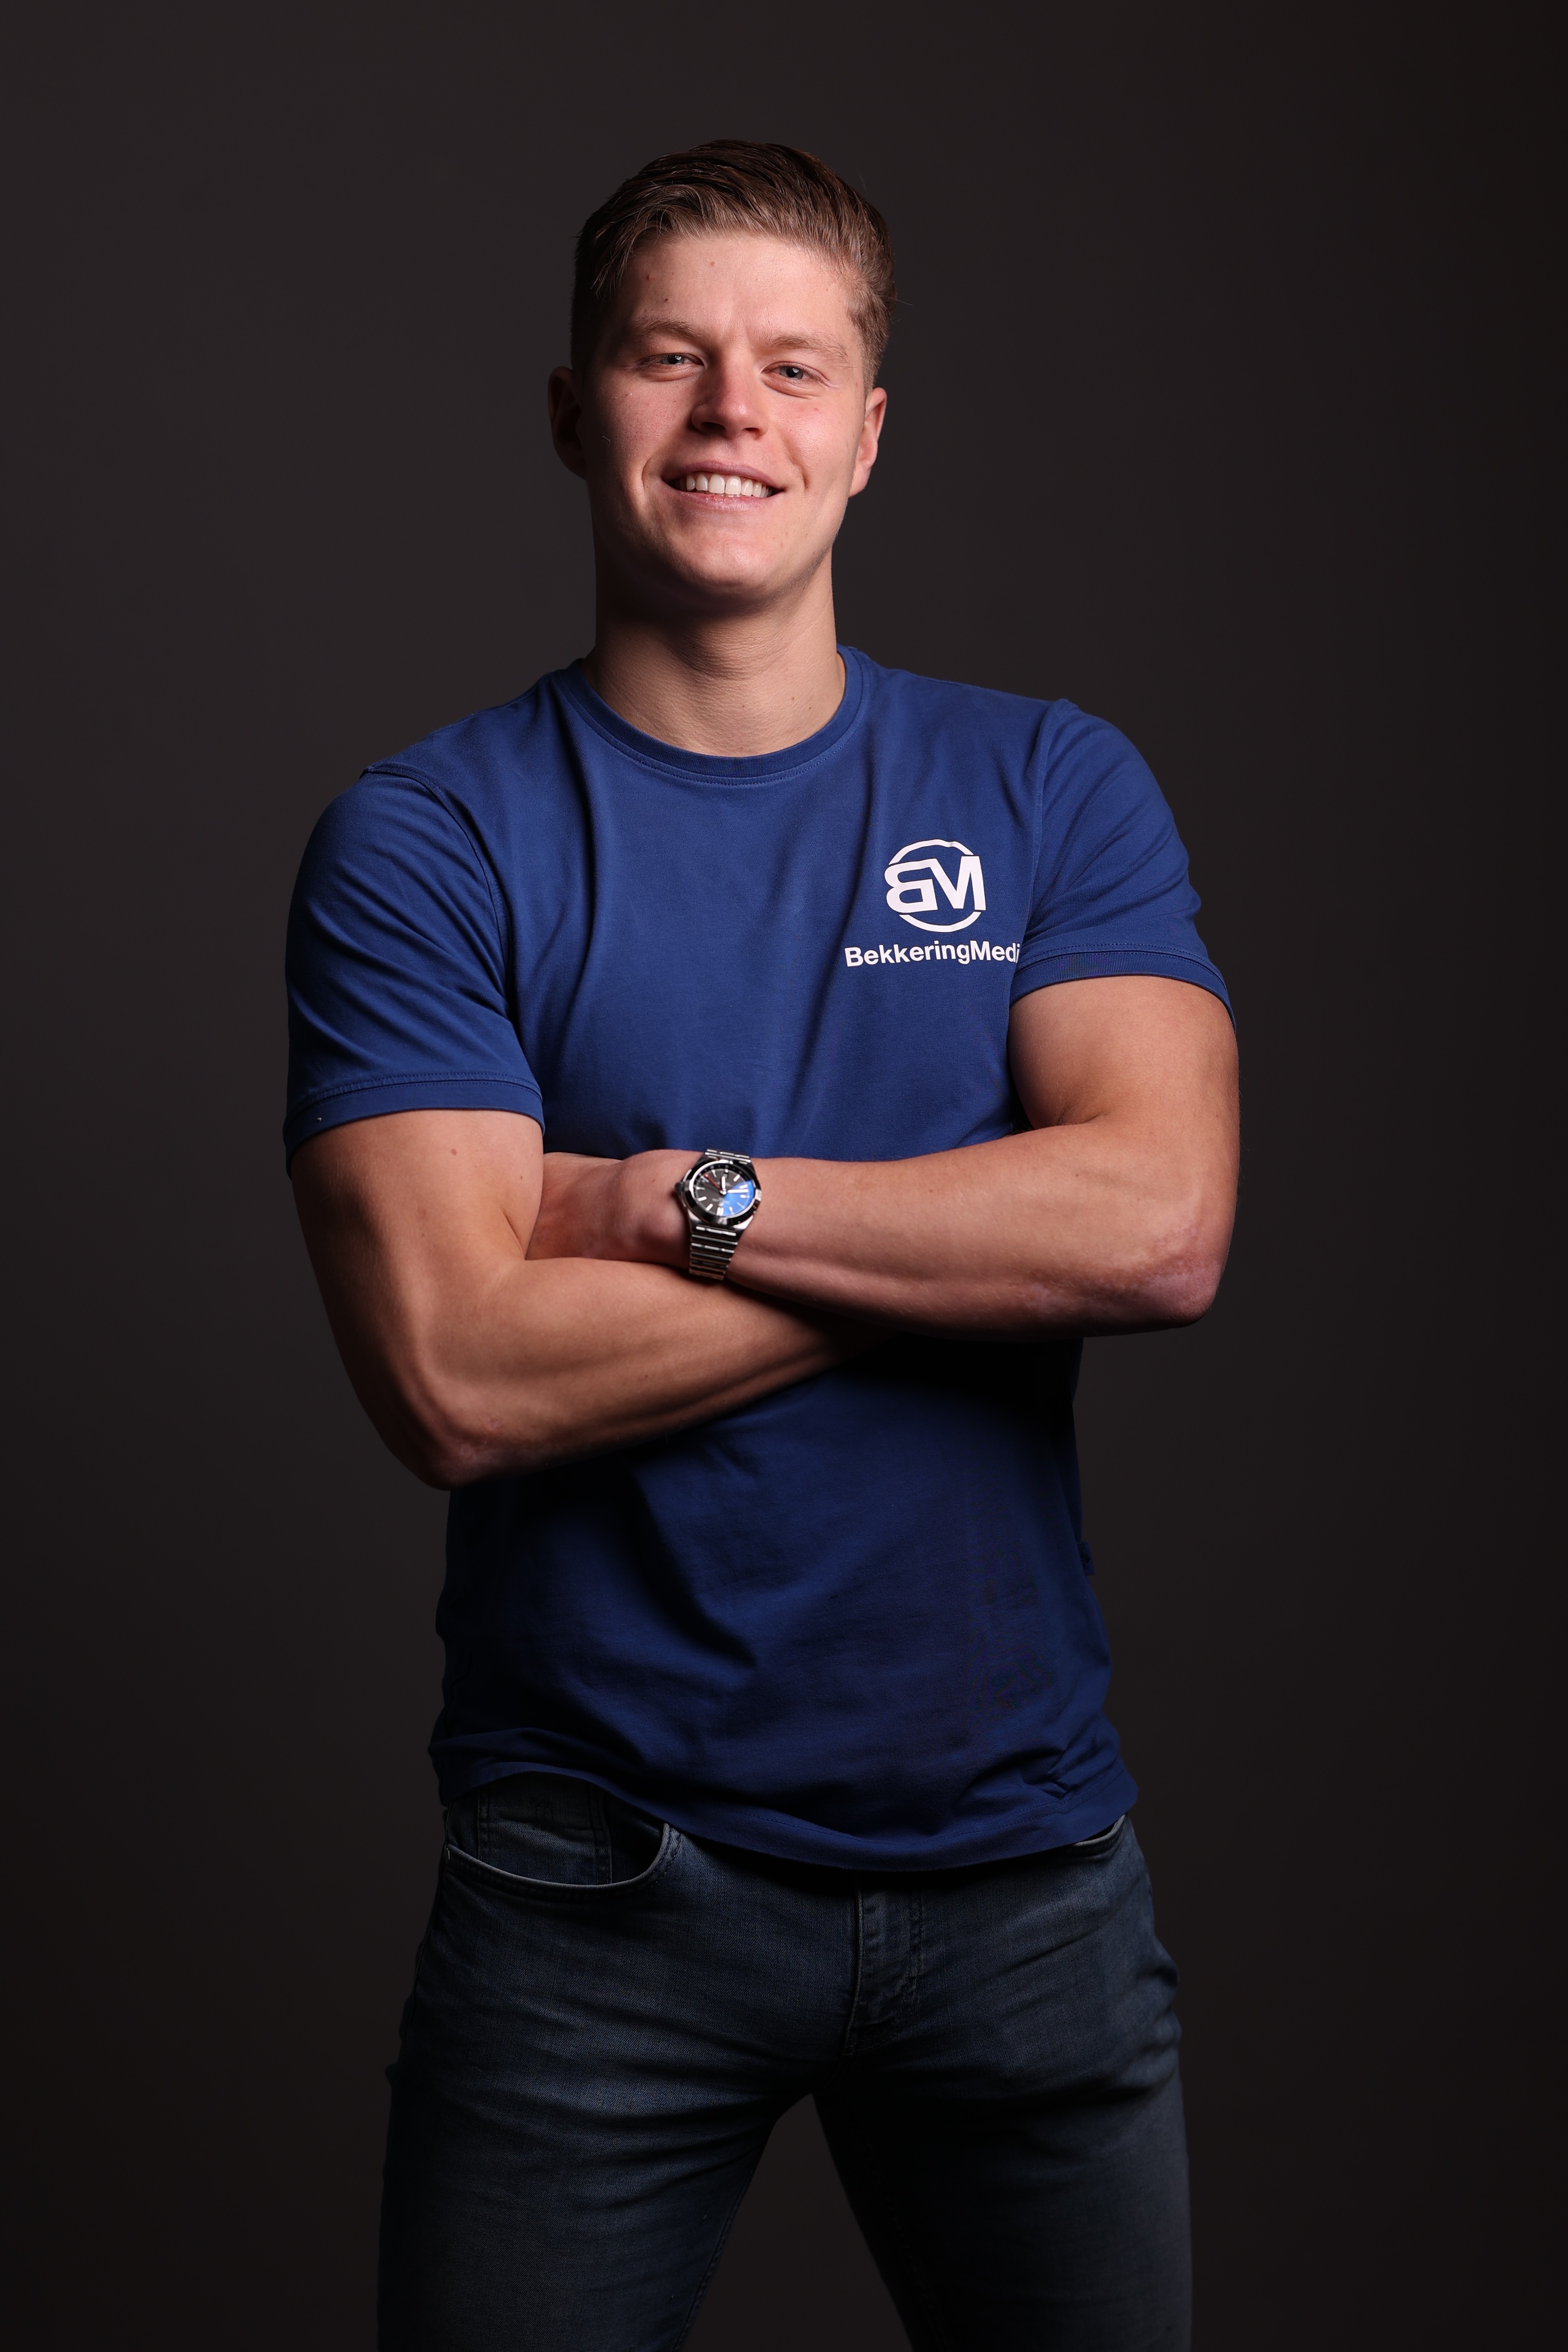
[750, 185]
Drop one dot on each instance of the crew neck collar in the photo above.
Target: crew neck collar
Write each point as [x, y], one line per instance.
[764, 767]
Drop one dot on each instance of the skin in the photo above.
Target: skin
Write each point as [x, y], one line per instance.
[715, 627]
[500, 1308]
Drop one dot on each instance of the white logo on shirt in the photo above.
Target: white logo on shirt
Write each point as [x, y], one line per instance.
[910, 897]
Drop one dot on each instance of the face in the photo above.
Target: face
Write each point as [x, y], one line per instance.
[723, 422]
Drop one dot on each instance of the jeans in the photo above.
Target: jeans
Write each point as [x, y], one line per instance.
[609, 2016]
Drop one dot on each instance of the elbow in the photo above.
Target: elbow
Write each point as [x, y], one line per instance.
[430, 1443]
[448, 1434]
[452, 1448]
[441, 1457]
[1180, 1274]
[1180, 1293]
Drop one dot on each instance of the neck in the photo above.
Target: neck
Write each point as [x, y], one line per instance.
[732, 685]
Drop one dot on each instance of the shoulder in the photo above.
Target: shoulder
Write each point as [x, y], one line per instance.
[1052, 734]
[906, 697]
[483, 750]
[447, 794]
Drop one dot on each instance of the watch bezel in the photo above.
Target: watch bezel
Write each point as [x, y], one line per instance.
[741, 1165]
[734, 1178]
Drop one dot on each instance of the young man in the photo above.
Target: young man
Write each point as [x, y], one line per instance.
[772, 1745]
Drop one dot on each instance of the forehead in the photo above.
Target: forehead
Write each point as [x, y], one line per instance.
[761, 285]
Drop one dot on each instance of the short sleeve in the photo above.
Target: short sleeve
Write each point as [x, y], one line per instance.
[396, 968]
[1112, 892]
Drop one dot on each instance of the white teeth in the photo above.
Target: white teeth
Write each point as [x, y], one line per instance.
[725, 486]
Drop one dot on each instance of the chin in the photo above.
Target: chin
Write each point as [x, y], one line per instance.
[739, 577]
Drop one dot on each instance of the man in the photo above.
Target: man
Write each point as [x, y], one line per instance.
[772, 1745]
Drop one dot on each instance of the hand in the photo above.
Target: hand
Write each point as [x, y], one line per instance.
[623, 1209]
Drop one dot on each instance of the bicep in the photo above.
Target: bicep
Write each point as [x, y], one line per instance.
[407, 1214]
[1158, 1052]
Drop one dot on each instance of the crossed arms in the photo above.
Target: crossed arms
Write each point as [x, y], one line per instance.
[499, 1307]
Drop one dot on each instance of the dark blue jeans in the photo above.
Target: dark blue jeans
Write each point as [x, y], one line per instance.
[608, 2018]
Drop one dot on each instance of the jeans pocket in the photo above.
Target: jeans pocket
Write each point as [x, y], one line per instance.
[1103, 1840]
[547, 1833]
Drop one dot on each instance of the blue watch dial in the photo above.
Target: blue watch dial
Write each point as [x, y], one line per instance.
[722, 1192]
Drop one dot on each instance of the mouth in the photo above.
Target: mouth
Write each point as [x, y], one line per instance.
[730, 487]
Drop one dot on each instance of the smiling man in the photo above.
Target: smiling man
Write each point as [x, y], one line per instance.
[727, 1083]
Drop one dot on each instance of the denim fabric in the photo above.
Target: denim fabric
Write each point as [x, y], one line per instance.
[608, 2017]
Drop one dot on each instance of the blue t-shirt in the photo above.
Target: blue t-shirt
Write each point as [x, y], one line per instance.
[851, 1622]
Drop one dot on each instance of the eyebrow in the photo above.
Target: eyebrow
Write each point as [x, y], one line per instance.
[678, 331]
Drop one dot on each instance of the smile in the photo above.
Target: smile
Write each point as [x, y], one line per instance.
[725, 486]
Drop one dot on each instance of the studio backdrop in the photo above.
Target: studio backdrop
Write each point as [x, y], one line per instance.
[1212, 398]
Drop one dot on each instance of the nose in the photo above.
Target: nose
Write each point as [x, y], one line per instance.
[729, 400]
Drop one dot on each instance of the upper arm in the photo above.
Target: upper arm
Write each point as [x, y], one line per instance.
[1117, 1002]
[408, 1219]
[413, 1122]
[1161, 1049]
[399, 976]
[1152, 1064]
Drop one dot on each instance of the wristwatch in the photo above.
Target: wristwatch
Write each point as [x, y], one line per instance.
[720, 1193]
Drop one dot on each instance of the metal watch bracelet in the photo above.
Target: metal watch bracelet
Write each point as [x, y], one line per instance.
[714, 1224]
[711, 1250]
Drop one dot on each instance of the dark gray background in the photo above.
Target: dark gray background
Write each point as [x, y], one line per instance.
[1217, 405]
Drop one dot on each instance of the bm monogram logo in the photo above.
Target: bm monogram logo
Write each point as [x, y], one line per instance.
[914, 878]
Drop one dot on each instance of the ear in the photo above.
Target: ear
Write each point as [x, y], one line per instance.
[567, 420]
[870, 439]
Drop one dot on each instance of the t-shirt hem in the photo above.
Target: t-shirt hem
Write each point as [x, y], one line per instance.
[782, 1838]
[431, 1090]
[1112, 959]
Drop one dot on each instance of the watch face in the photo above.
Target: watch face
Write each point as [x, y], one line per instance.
[723, 1191]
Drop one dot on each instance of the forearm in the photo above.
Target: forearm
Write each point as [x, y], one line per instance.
[554, 1359]
[1071, 1230]
[475, 1357]
[1077, 1228]
[1111, 1213]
